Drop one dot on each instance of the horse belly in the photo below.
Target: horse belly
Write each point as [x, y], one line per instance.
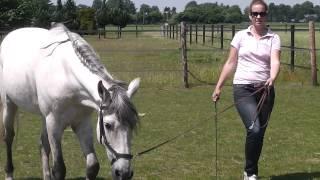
[19, 60]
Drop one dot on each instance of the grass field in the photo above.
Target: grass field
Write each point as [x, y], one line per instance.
[291, 149]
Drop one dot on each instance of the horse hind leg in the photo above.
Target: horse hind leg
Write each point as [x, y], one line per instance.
[45, 151]
[9, 111]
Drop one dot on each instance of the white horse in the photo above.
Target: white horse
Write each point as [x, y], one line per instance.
[58, 75]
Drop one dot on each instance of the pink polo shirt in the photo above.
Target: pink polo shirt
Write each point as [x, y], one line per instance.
[253, 56]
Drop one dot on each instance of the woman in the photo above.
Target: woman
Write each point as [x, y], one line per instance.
[255, 55]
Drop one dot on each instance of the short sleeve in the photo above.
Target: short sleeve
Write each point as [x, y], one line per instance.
[236, 40]
[276, 42]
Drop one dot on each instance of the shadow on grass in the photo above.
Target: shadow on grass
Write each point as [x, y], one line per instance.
[76, 178]
[297, 176]
[82, 178]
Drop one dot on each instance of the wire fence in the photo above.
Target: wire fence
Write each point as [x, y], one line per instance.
[207, 48]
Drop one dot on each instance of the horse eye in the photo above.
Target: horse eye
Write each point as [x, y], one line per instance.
[108, 126]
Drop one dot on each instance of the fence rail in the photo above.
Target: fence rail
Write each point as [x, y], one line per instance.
[312, 46]
[212, 36]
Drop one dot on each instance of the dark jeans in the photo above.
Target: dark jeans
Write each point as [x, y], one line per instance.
[255, 123]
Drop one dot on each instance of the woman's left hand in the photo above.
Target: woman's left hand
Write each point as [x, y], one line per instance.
[269, 82]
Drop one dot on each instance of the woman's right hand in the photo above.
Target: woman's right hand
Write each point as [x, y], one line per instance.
[216, 95]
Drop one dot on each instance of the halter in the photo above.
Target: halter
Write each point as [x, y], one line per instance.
[117, 155]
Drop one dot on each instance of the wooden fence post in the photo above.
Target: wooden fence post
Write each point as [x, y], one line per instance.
[212, 33]
[119, 32]
[173, 32]
[190, 32]
[292, 47]
[204, 34]
[221, 36]
[184, 54]
[177, 32]
[233, 30]
[196, 33]
[136, 30]
[286, 27]
[312, 45]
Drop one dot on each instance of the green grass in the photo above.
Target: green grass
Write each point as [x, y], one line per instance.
[291, 148]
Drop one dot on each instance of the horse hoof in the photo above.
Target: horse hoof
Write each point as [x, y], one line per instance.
[9, 176]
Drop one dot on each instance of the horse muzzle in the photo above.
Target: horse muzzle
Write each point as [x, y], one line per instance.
[122, 174]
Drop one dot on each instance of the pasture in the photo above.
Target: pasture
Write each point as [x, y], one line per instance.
[291, 146]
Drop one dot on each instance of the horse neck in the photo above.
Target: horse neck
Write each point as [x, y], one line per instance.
[86, 82]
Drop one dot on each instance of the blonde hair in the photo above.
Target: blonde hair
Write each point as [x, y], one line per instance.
[254, 2]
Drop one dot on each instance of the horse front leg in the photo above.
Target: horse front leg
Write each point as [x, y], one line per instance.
[55, 132]
[9, 111]
[84, 134]
[45, 151]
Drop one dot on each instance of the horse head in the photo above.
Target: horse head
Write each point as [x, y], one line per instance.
[117, 115]
[116, 122]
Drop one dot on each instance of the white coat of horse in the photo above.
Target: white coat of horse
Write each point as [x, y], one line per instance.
[57, 74]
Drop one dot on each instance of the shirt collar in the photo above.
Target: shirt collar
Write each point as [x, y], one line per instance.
[269, 32]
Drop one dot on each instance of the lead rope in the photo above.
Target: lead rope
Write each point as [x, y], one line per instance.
[192, 128]
[216, 125]
[264, 96]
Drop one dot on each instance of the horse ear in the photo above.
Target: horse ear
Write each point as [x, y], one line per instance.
[103, 92]
[133, 87]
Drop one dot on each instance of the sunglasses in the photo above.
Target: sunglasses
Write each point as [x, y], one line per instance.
[255, 14]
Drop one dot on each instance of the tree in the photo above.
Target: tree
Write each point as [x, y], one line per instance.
[119, 12]
[41, 13]
[272, 11]
[166, 13]
[285, 13]
[6, 10]
[155, 15]
[173, 10]
[191, 4]
[58, 14]
[70, 14]
[130, 7]
[190, 15]
[103, 15]
[86, 19]
[307, 7]
[233, 15]
[143, 13]
[97, 4]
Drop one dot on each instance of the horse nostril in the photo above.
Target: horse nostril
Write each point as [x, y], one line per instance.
[127, 175]
[117, 172]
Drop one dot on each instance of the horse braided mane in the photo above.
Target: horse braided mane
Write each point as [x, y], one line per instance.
[121, 104]
[87, 56]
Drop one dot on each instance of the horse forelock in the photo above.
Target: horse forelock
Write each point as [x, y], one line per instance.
[122, 106]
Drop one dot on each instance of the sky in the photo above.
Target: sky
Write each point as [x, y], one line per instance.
[180, 4]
